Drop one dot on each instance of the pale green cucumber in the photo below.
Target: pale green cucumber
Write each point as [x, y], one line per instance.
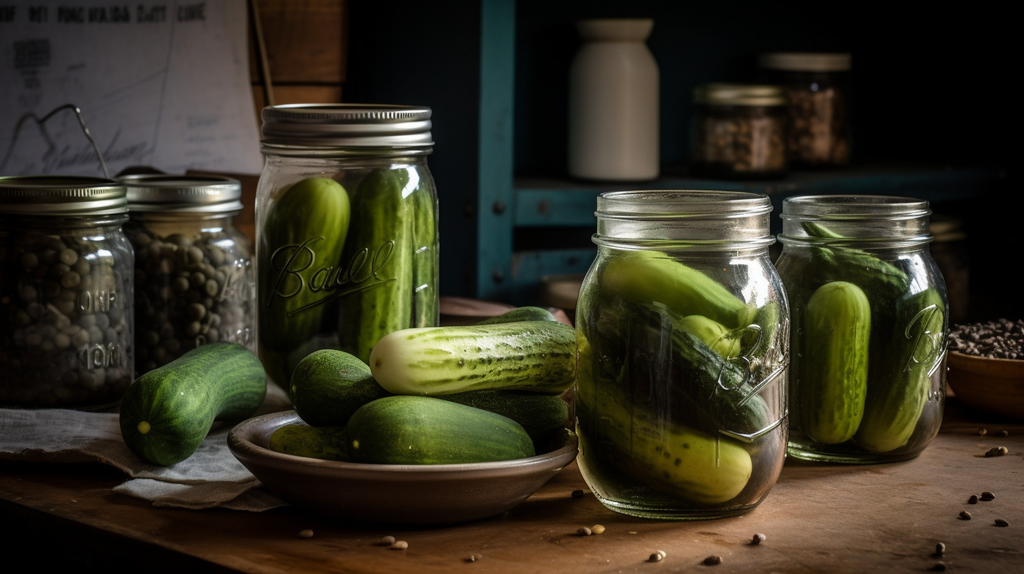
[521, 314]
[900, 380]
[535, 356]
[646, 277]
[834, 369]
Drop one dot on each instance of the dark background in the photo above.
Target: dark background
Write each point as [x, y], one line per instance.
[931, 89]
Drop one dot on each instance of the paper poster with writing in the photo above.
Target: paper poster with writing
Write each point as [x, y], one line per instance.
[159, 83]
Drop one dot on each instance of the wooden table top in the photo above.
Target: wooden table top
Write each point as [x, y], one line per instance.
[818, 518]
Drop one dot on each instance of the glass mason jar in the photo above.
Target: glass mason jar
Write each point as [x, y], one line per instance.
[869, 311]
[194, 278]
[739, 132]
[65, 293]
[682, 333]
[817, 90]
[346, 230]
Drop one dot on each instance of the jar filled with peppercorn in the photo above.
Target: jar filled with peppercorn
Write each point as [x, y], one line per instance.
[739, 131]
[66, 322]
[193, 268]
[817, 90]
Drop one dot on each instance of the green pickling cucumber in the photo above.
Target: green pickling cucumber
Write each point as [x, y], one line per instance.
[521, 314]
[329, 385]
[299, 270]
[426, 298]
[900, 382]
[723, 341]
[834, 369]
[646, 277]
[380, 255]
[326, 443]
[166, 413]
[540, 415]
[844, 263]
[427, 430]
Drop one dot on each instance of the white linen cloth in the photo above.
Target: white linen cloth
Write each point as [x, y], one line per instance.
[211, 477]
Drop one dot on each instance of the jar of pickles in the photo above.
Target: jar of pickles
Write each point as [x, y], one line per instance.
[683, 337]
[817, 93]
[346, 230]
[739, 131]
[194, 277]
[869, 312]
[66, 323]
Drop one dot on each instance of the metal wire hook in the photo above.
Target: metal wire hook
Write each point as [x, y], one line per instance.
[49, 140]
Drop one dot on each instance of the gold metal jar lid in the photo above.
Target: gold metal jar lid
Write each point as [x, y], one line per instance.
[728, 94]
[347, 125]
[806, 61]
[150, 193]
[61, 196]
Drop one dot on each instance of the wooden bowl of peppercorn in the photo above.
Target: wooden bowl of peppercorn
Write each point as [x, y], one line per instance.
[981, 373]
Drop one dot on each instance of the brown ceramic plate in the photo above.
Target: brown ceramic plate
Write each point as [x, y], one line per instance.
[386, 493]
[992, 385]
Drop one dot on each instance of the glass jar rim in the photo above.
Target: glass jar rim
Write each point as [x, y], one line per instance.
[709, 220]
[852, 207]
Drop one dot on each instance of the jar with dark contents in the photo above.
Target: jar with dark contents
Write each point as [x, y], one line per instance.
[817, 91]
[66, 325]
[193, 268]
[739, 131]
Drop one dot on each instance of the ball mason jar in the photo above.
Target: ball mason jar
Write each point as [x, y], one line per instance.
[346, 230]
[739, 131]
[682, 334]
[194, 277]
[66, 324]
[869, 313]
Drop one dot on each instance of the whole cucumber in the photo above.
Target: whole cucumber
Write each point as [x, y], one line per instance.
[427, 430]
[900, 380]
[329, 385]
[647, 277]
[380, 257]
[834, 369]
[299, 250]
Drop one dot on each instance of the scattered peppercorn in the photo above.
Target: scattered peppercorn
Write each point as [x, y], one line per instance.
[307, 533]
[987, 496]
[597, 529]
[939, 567]
[964, 515]
[996, 451]
[472, 558]
[1003, 433]
[657, 556]
[982, 431]
[584, 531]
[757, 539]
[940, 549]
[577, 493]
[387, 540]
[400, 545]
[973, 499]
[1001, 522]
[712, 561]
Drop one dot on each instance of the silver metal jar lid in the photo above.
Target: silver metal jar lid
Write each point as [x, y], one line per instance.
[726, 94]
[61, 195]
[149, 193]
[347, 125]
[806, 61]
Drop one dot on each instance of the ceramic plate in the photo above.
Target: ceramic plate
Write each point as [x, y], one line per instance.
[405, 494]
